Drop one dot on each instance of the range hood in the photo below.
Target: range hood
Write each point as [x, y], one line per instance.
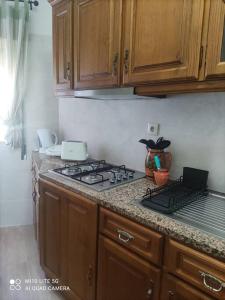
[109, 94]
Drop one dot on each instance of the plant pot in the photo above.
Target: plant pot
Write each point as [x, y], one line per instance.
[161, 177]
[165, 160]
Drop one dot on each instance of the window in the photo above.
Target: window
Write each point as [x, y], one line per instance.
[14, 24]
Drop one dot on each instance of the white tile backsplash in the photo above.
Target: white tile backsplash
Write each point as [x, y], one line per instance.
[195, 124]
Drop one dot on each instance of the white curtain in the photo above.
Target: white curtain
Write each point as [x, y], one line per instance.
[14, 18]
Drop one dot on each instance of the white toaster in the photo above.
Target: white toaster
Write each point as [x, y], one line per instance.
[74, 150]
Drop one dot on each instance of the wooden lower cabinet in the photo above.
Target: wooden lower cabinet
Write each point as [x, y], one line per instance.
[200, 270]
[122, 275]
[80, 227]
[68, 235]
[50, 232]
[175, 289]
[68, 252]
[135, 237]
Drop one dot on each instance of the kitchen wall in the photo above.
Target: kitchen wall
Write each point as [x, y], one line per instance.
[195, 124]
[41, 110]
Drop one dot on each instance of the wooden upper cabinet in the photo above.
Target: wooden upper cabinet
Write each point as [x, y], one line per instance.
[97, 35]
[215, 57]
[62, 45]
[162, 40]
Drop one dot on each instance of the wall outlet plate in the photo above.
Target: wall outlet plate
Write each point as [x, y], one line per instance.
[153, 129]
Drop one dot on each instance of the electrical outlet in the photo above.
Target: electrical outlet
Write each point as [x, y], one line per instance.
[153, 129]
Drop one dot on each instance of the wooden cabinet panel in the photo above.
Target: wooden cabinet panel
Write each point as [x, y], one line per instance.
[97, 43]
[143, 241]
[62, 46]
[162, 40]
[68, 240]
[215, 58]
[206, 273]
[50, 232]
[80, 241]
[123, 275]
[175, 289]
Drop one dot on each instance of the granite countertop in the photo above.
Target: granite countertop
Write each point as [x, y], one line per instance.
[125, 200]
[44, 162]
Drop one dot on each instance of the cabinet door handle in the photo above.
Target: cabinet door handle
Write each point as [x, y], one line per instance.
[126, 61]
[210, 277]
[115, 64]
[171, 294]
[124, 236]
[68, 72]
[149, 293]
[90, 275]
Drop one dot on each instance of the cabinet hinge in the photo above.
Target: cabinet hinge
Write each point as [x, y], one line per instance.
[201, 57]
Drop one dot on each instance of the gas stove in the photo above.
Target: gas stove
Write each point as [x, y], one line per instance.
[98, 174]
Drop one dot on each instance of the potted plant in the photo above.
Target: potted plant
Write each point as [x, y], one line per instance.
[156, 149]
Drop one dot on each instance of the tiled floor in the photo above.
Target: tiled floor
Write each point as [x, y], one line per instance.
[19, 260]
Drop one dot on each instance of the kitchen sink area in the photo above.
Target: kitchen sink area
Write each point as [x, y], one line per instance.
[206, 213]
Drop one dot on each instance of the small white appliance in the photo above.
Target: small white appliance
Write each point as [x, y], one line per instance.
[74, 150]
[47, 139]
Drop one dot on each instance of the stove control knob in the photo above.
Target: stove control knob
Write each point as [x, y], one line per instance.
[112, 180]
[125, 176]
[118, 177]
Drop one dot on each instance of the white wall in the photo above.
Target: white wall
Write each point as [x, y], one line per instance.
[41, 105]
[195, 124]
[41, 110]
[41, 19]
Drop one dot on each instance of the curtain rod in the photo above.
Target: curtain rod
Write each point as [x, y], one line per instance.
[31, 2]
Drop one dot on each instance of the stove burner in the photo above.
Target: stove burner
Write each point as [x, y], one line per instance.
[72, 164]
[93, 176]
[99, 174]
[94, 166]
[71, 171]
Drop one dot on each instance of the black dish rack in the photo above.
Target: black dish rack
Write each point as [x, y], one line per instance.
[174, 196]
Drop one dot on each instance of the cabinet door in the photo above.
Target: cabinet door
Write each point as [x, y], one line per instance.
[175, 289]
[62, 45]
[97, 43]
[162, 40]
[80, 236]
[50, 232]
[215, 58]
[123, 275]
